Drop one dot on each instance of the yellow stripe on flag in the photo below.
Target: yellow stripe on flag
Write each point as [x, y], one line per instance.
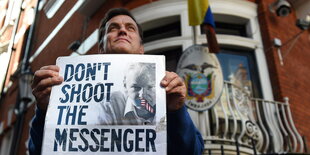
[196, 11]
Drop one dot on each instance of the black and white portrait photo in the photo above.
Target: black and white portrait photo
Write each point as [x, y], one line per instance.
[136, 104]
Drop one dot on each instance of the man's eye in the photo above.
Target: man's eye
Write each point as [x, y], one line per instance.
[112, 28]
[136, 88]
[131, 28]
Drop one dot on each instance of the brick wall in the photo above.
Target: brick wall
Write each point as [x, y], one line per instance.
[292, 79]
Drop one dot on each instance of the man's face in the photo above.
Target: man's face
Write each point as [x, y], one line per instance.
[140, 86]
[122, 36]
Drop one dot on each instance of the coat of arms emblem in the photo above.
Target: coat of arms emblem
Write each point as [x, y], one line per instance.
[203, 77]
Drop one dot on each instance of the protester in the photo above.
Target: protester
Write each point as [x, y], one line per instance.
[120, 34]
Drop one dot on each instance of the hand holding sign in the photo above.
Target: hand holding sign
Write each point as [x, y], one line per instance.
[43, 81]
[175, 89]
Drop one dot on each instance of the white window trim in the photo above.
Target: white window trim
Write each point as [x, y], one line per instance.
[161, 9]
[53, 8]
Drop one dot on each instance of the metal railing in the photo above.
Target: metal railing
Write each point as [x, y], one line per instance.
[240, 124]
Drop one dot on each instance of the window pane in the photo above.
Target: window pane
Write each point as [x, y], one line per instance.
[161, 28]
[229, 29]
[239, 67]
[231, 25]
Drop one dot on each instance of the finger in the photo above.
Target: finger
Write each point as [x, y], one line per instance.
[41, 75]
[50, 67]
[48, 82]
[168, 78]
[176, 82]
[176, 98]
[42, 98]
[178, 90]
[45, 72]
[42, 94]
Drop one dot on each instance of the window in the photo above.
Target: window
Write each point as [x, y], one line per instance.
[230, 25]
[52, 7]
[161, 28]
[239, 67]
[229, 29]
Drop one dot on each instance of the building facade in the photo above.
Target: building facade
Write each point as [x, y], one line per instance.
[264, 59]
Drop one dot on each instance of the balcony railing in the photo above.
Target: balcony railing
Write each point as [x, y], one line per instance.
[241, 124]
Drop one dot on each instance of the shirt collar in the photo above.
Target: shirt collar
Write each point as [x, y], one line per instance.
[129, 106]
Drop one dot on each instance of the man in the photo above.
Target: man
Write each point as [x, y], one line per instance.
[136, 105]
[120, 34]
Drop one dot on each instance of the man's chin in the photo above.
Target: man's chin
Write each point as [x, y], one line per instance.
[121, 51]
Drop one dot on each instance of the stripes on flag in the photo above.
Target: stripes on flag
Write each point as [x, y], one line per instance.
[199, 12]
[146, 105]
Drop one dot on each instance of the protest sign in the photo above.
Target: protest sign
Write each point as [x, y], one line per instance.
[110, 104]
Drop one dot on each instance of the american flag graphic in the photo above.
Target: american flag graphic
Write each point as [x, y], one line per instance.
[147, 106]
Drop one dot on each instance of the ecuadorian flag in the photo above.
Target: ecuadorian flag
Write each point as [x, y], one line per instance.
[199, 12]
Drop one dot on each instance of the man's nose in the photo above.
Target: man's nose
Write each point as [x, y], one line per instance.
[122, 30]
[141, 92]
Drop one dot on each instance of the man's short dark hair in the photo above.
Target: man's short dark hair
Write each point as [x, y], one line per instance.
[109, 15]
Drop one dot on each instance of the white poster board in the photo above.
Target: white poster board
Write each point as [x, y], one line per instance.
[110, 104]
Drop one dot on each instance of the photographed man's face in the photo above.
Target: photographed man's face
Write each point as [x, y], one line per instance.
[122, 36]
[140, 86]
